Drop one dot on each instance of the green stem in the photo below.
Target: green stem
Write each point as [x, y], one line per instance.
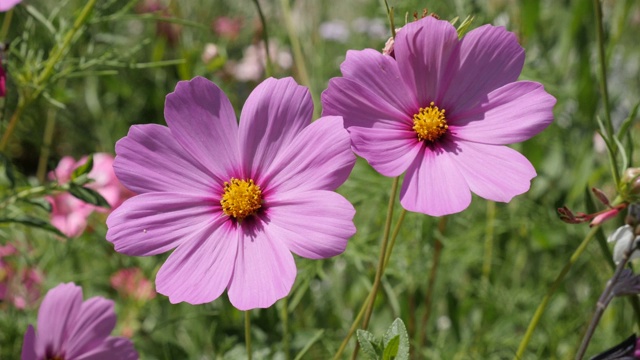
[556, 283]
[22, 103]
[488, 242]
[390, 17]
[269, 69]
[46, 145]
[284, 314]
[247, 333]
[5, 25]
[394, 236]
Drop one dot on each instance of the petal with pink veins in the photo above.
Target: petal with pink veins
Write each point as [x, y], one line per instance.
[58, 312]
[94, 323]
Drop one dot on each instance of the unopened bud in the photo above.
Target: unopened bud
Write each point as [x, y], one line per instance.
[631, 180]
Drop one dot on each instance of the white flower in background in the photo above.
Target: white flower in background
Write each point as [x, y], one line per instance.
[334, 30]
[253, 63]
[374, 28]
[623, 237]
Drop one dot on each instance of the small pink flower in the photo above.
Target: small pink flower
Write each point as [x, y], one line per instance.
[6, 5]
[131, 283]
[3, 81]
[20, 287]
[69, 328]
[235, 200]
[441, 111]
[227, 27]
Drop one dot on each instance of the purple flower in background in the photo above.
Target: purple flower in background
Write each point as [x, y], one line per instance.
[236, 200]
[441, 111]
[6, 5]
[70, 329]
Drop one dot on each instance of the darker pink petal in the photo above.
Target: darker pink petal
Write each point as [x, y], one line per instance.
[264, 270]
[29, 345]
[314, 224]
[510, 114]
[154, 223]
[275, 112]
[433, 184]
[202, 120]
[144, 148]
[323, 166]
[95, 321]
[198, 271]
[110, 349]
[486, 58]
[494, 172]
[424, 50]
[58, 311]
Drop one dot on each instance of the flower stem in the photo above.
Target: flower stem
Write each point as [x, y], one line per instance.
[46, 145]
[488, 242]
[552, 289]
[603, 301]
[265, 35]
[12, 124]
[247, 332]
[390, 17]
[5, 25]
[437, 252]
[284, 314]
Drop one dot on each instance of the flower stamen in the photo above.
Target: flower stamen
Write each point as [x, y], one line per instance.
[430, 123]
[241, 198]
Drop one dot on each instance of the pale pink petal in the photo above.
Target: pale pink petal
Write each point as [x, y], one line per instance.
[154, 223]
[6, 5]
[433, 184]
[510, 114]
[494, 172]
[319, 158]
[389, 151]
[62, 172]
[359, 106]
[264, 270]
[112, 348]
[424, 49]
[150, 159]
[313, 224]
[94, 323]
[202, 120]
[275, 112]
[198, 271]
[58, 313]
[380, 74]
[486, 58]
[29, 345]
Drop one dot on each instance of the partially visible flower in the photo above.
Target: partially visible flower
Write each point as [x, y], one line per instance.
[20, 287]
[131, 283]
[334, 30]
[69, 328]
[236, 200]
[227, 27]
[442, 112]
[623, 236]
[629, 349]
[253, 63]
[209, 53]
[3, 81]
[168, 30]
[6, 5]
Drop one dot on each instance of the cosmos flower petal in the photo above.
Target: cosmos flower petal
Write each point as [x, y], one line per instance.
[94, 323]
[389, 151]
[198, 271]
[323, 166]
[486, 58]
[275, 112]
[511, 114]
[202, 120]
[146, 146]
[29, 345]
[313, 224]
[112, 348]
[359, 106]
[58, 311]
[433, 184]
[264, 270]
[424, 50]
[380, 74]
[154, 223]
[494, 172]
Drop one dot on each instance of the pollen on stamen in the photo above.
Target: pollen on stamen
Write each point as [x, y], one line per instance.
[241, 198]
[430, 123]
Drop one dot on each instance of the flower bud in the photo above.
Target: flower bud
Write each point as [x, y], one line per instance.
[631, 181]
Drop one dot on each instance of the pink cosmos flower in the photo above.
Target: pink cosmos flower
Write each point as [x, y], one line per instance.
[69, 214]
[70, 329]
[236, 200]
[441, 111]
[131, 283]
[6, 5]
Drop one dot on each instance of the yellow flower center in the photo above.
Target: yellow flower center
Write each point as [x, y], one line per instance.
[429, 123]
[241, 198]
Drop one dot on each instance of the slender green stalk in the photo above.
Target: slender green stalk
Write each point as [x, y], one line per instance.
[552, 289]
[47, 139]
[394, 236]
[437, 252]
[12, 124]
[265, 35]
[247, 333]
[390, 17]
[488, 242]
[5, 25]
[284, 315]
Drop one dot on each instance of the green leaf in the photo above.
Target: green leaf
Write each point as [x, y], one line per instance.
[369, 344]
[391, 349]
[33, 222]
[87, 195]
[42, 203]
[399, 331]
[624, 127]
[83, 169]
[464, 26]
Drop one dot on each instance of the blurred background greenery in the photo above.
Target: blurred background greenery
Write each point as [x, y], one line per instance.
[498, 260]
